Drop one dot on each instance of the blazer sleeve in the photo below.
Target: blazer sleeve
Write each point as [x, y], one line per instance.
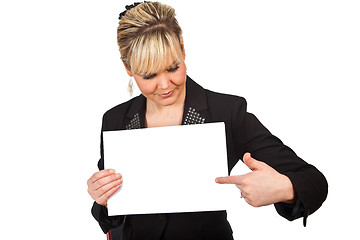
[99, 212]
[309, 183]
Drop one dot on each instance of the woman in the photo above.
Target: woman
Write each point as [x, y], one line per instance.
[152, 50]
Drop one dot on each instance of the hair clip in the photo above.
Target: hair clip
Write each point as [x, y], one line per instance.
[128, 7]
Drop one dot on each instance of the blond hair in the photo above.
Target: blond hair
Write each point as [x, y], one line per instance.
[149, 37]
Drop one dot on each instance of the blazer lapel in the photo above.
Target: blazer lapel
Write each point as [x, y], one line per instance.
[195, 109]
[136, 114]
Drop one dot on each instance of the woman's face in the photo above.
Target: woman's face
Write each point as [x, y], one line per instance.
[166, 87]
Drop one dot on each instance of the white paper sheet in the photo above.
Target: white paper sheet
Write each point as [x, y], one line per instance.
[168, 169]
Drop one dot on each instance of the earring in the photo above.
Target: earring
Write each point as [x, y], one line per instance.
[130, 87]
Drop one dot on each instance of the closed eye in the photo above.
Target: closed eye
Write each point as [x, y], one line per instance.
[171, 69]
[174, 68]
[149, 76]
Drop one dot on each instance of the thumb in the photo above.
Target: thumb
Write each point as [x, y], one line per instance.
[252, 163]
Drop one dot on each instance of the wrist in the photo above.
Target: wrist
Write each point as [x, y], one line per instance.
[288, 191]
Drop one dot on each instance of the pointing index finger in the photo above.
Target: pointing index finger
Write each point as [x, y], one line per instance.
[228, 180]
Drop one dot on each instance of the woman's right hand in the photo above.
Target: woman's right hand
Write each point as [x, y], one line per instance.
[103, 184]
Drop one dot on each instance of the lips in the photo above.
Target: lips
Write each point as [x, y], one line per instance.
[167, 94]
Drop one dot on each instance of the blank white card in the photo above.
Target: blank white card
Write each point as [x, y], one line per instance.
[168, 169]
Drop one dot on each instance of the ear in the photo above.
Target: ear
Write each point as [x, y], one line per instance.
[128, 70]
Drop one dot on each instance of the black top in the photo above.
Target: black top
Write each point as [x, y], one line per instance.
[244, 133]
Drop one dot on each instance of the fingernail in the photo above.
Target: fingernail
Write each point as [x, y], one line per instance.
[111, 171]
[118, 175]
[217, 180]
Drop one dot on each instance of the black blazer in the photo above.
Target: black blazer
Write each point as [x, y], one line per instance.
[244, 133]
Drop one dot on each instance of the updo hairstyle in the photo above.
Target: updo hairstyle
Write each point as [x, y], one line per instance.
[149, 38]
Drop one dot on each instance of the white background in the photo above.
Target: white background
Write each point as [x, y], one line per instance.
[296, 63]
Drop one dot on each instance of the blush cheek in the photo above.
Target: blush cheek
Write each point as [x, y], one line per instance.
[146, 88]
[180, 77]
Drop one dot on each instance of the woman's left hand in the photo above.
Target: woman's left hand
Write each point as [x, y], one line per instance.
[263, 186]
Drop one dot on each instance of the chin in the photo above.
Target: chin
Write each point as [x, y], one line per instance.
[167, 102]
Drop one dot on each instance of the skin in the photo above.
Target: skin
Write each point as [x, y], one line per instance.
[165, 89]
[103, 184]
[263, 186]
[165, 92]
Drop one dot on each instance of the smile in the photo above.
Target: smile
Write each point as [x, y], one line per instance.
[167, 95]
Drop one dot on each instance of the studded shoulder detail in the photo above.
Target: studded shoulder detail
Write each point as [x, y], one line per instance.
[134, 123]
[193, 117]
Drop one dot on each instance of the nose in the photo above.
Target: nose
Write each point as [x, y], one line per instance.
[163, 81]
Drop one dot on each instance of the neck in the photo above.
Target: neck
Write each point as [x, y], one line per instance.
[159, 115]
